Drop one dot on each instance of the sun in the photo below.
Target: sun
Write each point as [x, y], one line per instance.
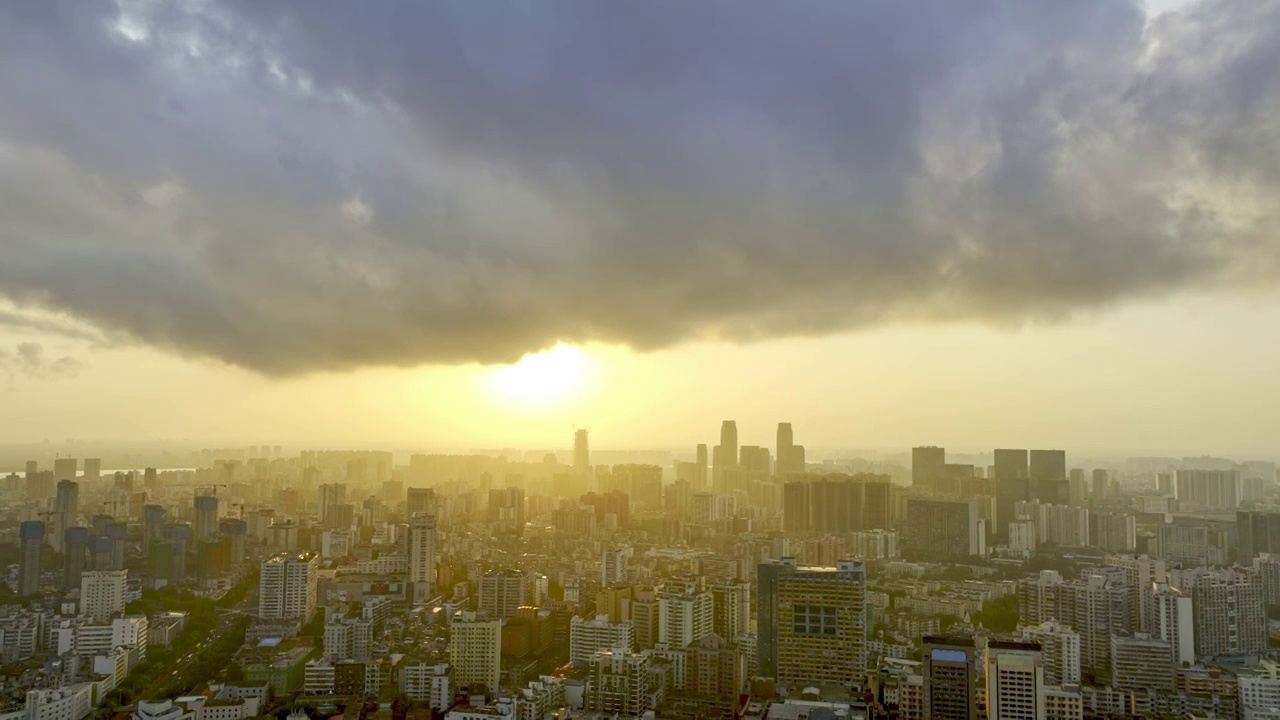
[544, 379]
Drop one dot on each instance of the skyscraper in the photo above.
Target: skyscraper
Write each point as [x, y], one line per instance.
[727, 451]
[421, 501]
[31, 540]
[1100, 483]
[928, 466]
[613, 565]
[421, 544]
[65, 469]
[936, 528]
[92, 468]
[581, 455]
[152, 524]
[812, 623]
[790, 460]
[1171, 618]
[950, 678]
[700, 481]
[1048, 475]
[331, 495]
[1011, 485]
[66, 508]
[75, 555]
[206, 523]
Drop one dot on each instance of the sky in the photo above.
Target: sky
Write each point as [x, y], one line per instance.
[888, 223]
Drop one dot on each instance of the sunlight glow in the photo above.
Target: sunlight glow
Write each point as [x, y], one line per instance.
[542, 379]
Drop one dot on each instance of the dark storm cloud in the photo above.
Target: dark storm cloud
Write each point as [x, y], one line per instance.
[321, 185]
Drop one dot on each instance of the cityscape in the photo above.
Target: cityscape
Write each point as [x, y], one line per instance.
[727, 581]
[639, 360]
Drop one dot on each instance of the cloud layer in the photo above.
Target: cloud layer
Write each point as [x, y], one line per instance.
[303, 186]
[28, 360]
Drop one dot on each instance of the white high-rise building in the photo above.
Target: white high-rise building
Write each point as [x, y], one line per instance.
[1015, 684]
[1170, 618]
[287, 586]
[102, 594]
[684, 617]
[475, 650]
[613, 566]
[421, 548]
[621, 684]
[1059, 651]
[502, 592]
[587, 637]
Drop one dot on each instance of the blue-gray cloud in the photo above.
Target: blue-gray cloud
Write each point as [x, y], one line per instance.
[322, 185]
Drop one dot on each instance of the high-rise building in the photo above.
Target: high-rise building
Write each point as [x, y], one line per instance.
[421, 544]
[66, 508]
[75, 555]
[621, 684]
[331, 495]
[1215, 489]
[506, 510]
[1141, 662]
[206, 522]
[837, 504]
[65, 469]
[587, 637]
[613, 565]
[92, 468]
[950, 678]
[1101, 483]
[287, 586]
[102, 594]
[1059, 651]
[475, 650]
[152, 524]
[731, 608]
[421, 501]
[502, 592]
[1015, 687]
[1047, 471]
[1097, 606]
[1258, 532]
[1171, 618]
[1229, 615]
[936, 528]
[1077, 486]
[685, 614]
[1012, 485]
[790, 457]
[151, 479]
[728, 443]
[582, 455]
[1113, 532]
[812, 623]
[928, 467]
[31, 540]
[233, 532]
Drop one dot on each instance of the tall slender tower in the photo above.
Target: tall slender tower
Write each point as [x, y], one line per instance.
[31, 538]
[701, 483]
[422, 557]
[729, 442]
[581, 453]
[66, 506]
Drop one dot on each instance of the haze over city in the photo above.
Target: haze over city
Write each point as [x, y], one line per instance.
[1036, 224]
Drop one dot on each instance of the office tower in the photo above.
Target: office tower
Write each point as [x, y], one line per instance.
[1141, 663]
[287, 586]
[731, 608]
[755, 460]
[1047, 471]
[31, 540]
[206, 523]
[152, 524]
[102, 594]
[421, 544]
[1214, 489]
[1015, 688]
[506, 511]
[33, 467]
[700, 483]
[942, 529]
[475, 650]
[728, 443]
[1077, 486]
[621, 684]
[65, 469]
[150, 479]
[613, 565]
[812, 623]
[92, 468]
[790, 458]
[421, 501]
[1229, 615]
[1101, 485]
[1011, 486]
[928, 466]
[1059, 651]
[75, 555]
[502, 592]
[581, 455]
[950, 682]
[587, 637]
